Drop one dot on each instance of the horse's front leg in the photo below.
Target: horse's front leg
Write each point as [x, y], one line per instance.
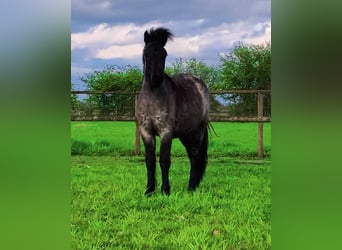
[165, 162]
[150, 160]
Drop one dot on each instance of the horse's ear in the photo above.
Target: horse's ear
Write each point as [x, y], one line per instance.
[147, 37]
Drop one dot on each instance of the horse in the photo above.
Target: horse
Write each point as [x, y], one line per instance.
[170, 107]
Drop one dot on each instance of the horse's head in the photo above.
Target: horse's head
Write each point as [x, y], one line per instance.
[154, 55]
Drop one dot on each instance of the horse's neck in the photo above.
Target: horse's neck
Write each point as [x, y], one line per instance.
[161, 95]
[146, 87]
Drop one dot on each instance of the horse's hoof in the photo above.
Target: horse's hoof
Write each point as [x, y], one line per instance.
[192, 187]
[149, 191]
[165, 190]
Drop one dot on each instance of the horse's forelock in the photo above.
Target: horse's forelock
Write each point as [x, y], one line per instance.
[160, 35]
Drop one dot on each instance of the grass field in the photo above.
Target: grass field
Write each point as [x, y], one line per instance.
[230, 210]
[117, 138]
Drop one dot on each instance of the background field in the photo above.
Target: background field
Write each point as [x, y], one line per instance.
[230, 210]
[117, 138]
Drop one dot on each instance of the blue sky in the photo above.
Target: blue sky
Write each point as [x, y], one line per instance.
[111, 32]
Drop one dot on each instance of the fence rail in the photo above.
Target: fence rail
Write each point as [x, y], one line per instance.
[224, 107]
[89, 112]
[232, 91]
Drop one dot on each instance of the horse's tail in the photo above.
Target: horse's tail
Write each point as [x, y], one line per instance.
[203, 155]
[211, 129]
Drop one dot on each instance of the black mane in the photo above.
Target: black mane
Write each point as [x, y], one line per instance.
[160, 35]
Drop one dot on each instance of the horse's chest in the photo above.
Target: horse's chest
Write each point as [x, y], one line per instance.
[157, 120]
[154, 113]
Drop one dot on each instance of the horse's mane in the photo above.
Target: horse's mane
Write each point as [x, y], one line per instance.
[160, 35]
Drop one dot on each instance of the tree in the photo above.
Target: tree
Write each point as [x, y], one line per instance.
[209, 74]
[114, 78]
[124, 79]
[247, 67]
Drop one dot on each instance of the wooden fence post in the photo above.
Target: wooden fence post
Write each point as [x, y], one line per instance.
[260, 125]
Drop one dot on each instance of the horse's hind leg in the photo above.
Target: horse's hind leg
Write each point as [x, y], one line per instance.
[150, 160]
[196, 147]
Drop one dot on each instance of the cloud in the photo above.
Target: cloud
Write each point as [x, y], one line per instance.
[262, 36]
[126, 41]
[111, 32]
[103, 35]
[120, 51]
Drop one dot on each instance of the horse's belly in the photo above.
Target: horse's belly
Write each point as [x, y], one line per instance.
[187, 125]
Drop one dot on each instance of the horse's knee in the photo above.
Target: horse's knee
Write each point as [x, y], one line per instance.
[150, 163]
[165, 163]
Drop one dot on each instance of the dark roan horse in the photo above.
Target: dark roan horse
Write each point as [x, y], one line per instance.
[171, 107]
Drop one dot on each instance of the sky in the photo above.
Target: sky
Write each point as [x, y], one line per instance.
[105, 32]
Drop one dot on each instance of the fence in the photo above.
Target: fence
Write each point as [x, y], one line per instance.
[225, 106]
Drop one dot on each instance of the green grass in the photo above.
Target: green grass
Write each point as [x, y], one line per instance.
[117, 139]
[102, 138]
[230, 209]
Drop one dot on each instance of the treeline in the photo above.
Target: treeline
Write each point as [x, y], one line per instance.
[244, 67]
